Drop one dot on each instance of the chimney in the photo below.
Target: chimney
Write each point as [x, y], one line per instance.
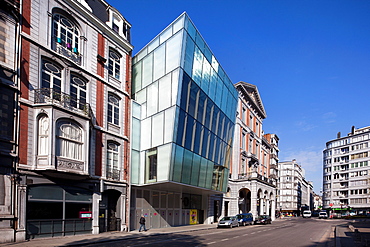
[353, 130]
[338, 135]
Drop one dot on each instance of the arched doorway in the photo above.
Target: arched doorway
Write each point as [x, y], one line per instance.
[244, 200]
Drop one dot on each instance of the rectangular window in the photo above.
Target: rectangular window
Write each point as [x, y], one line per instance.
[151, 164]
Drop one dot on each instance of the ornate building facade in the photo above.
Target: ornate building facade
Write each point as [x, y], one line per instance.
[252, 182]
[74, 118]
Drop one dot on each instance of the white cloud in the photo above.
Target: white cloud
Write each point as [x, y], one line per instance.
[304, 126]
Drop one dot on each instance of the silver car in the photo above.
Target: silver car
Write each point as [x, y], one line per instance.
[228, 221]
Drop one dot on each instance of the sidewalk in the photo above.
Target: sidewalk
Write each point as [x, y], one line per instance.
[81, 240]
[355, 233]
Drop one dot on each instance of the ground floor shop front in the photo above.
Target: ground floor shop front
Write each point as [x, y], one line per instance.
[51, 207]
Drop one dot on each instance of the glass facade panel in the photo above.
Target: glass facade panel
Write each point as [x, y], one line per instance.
[157, 129]
[209, 174]
[164, 159]
[186, 167]
[136, 76]
[159, 65]
[169, 122]
[195, 170]
[189, 55]
[190, 125]
[173, 52]
[135, 168]
[146, 127]
[178, 24]
[197, 65]
[177, 164]
[147, 71]
[152, 99]
[165, 35]
[154, 44]
[164, 96]
[206, 75]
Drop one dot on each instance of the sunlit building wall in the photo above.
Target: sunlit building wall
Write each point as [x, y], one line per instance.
[346, 173]
[183, 115]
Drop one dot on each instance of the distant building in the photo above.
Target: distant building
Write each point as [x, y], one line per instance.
[317, 200]
[182, 129]
[252, 182]
[346, 178]
[295, 194]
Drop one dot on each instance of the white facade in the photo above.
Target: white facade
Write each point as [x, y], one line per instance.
[294, 192]
[252, 182]
[346, 178]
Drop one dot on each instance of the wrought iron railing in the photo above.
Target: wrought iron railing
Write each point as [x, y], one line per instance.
[55, 97]
[66, 50]
[113, 174]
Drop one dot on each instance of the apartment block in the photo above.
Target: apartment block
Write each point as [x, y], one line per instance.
[295, 193]
[346, 177]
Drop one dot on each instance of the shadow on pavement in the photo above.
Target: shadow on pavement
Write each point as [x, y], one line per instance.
[154, 240]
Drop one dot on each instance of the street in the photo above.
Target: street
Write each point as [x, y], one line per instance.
[288, 232]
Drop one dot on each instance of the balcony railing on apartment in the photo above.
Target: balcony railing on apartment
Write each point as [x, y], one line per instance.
[254, 175]
[114, 174]
[65, 49]
[54, 97]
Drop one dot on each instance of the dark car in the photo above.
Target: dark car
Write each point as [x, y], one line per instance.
[245, 219]
[263, 219]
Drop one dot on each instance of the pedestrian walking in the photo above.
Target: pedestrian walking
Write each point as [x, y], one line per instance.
[142, 223]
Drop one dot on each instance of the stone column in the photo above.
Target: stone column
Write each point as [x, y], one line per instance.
[95, 212]
[254, 200]
[21, 212]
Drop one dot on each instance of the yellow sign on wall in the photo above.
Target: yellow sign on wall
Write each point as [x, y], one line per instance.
[193, 216]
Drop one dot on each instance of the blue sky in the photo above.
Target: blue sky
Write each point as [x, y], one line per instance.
[310, 60]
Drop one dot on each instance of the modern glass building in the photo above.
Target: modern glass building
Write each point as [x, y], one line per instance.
[182, 129]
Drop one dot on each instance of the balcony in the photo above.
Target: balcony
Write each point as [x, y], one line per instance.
[67, 51]
[54, 97]
[114, 174]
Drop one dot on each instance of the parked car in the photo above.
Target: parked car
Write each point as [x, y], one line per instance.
[245, 219]
[263, 219]
[228, 221]
[306, 214]
[323, 215]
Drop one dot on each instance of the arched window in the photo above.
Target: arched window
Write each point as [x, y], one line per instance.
[66, 33]
[43, 135]
[78, 92]
[114, 64]
[112, 170]
[113, 109]
[51, 78]
[69, 140]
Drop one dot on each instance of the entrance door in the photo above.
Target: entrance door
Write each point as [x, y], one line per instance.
[108, 215]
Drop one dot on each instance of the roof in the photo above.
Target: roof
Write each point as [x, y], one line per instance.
[251, 95]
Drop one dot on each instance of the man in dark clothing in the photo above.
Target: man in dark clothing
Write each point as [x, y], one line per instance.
[142, 223]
